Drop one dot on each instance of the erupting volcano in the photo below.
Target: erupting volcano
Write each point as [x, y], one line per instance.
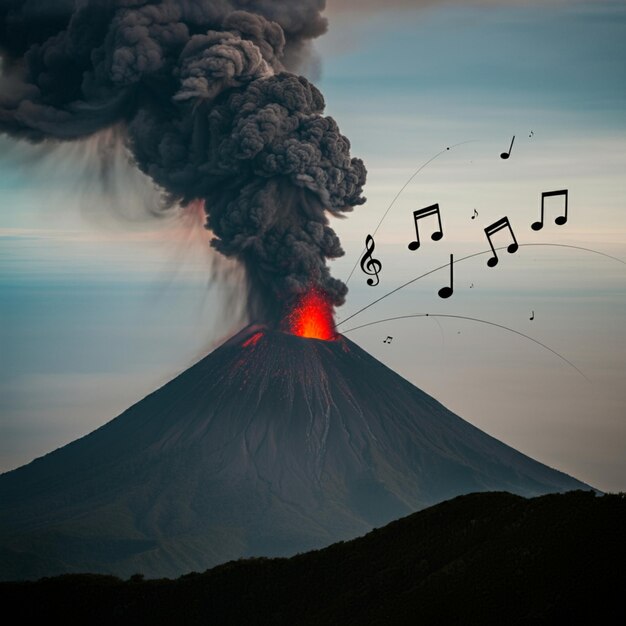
[289, 436]
[272, 444]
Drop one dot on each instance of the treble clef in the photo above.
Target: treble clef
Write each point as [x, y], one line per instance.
[369, 265]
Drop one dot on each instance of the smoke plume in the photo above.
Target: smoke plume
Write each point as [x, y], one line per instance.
[207, 106]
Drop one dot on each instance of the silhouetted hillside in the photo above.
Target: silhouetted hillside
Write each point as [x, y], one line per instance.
[489, 558]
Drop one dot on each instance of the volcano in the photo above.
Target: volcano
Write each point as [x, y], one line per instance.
[272, 444]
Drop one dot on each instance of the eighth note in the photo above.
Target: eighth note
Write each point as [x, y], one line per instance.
[472, 286]
[494, 228]
[369, 265]
[532, 317]
[531, 133]
[388, 340]
[475, 214]
[446, 292]
[561, 219]
[506, 155]
[433, 209]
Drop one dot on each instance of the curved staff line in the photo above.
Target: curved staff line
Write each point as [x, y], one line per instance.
[408, 182]
[470, 256]
[472, 319]
[564, 245]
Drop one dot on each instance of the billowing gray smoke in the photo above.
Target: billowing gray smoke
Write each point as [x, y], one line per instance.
[201, 91]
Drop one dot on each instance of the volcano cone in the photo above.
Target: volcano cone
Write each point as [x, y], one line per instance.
[272, 444]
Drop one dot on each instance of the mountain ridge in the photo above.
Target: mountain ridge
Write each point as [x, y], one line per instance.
[483, 558]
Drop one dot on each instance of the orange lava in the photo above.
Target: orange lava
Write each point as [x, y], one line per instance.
[312, 317]
[252, 341]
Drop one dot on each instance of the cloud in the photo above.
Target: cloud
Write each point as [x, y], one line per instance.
[202, 96]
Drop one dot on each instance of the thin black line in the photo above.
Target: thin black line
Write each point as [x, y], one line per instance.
[408, 182]
[564, 245]
[470, 256]
[473, 319]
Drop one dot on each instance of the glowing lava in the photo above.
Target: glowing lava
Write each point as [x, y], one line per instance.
[312, 317]
[253, 340]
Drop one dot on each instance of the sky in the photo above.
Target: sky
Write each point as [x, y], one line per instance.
[100, 303]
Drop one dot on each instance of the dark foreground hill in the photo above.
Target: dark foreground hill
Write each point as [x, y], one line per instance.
[490, 558]
[271, 445]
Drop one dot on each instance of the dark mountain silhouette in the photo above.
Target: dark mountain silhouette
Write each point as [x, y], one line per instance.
[271, 445]
[490, 558]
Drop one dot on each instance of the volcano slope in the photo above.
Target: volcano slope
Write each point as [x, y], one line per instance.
[272, 444]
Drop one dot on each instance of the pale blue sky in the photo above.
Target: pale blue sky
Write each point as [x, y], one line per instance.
[96, 313]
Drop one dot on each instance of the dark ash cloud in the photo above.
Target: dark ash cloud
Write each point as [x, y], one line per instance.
[205, 100]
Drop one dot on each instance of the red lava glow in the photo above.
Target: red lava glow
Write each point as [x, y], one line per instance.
[312, 317]
[252, 341]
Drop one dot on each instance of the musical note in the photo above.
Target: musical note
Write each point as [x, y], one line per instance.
[532, 317]
[369, 265]
[506, 155]
[472, 286]
[388, 340]
[418, 215]
[446, 292]
[531, 133]
[475, 214]
[494, 228]
[561, 219]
